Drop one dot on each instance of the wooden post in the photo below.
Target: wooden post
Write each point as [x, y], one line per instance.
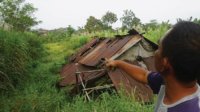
[81, 80]
[77, 85]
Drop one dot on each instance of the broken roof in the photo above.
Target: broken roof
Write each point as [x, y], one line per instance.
[90, 56]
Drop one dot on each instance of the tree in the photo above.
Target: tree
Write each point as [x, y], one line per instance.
[70, 30]
[109, 18]
[80, 30]
[196, 20]
[93, 24]
[17, 14]
[1, 22]
[153, 24]
[129, 20]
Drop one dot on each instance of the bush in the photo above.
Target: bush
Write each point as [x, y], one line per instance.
[17, 52]
[154, 34]
[30, 64]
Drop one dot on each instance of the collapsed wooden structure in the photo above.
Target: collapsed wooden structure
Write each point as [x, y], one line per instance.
[87, 73]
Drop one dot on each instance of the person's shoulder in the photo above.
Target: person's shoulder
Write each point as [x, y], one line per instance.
[191, 105]
[155, 81]
[154, 76]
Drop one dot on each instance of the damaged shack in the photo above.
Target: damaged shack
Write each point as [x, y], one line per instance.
[86, 72]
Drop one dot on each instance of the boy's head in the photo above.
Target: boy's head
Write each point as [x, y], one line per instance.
[181, 47]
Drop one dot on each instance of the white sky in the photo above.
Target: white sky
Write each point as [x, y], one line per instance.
[61, 13]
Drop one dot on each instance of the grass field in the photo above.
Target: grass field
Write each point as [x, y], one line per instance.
[30, 70]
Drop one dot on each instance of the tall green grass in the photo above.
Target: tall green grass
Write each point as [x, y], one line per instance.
[107, 103]
[17, 51]
[27, 84]
[29, 71]
[31, 67]
[155, 34]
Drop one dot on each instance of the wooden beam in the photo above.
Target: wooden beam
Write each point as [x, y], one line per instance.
[99, 87]
[90, 71]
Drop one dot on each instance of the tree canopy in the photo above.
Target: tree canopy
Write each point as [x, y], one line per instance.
[129, 20]
[93, 24]
[70, 30]
[17, 14]
[109, 18]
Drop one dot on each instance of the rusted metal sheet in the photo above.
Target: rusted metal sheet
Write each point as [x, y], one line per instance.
[121, 80]
[89, 57]
[106, 49]
[134, 39]
[68, 74]
[150, 63]
[93, 57]
[85, 49]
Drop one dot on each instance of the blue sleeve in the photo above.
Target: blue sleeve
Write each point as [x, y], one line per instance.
[155, 81]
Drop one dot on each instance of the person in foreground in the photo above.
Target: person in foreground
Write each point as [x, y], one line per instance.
[177, 61]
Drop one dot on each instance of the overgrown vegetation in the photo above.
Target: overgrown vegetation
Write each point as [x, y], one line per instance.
[29, 71]
[30, 62]
[18, 51]
[17, 15]
[154, 34]
[30, 66]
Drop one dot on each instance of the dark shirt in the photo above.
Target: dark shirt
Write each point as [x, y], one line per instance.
[189, 103]
[155, 81]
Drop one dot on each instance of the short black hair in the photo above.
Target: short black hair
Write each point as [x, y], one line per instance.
[182, 47]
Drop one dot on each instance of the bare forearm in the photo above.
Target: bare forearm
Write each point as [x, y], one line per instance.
[134, 71]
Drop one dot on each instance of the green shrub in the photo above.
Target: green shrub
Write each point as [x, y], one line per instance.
[17, 52]
[154, 34]
[107, 103]
[33, 64]
[77, 42]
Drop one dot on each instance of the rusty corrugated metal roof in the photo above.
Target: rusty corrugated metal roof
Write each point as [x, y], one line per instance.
[88, 47]
[68, 76]
[89, 57]
[134, 39]
[121, 80]
[91, 54]
[107, 49]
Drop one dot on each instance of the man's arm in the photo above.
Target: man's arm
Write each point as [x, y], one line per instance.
[134, 71]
